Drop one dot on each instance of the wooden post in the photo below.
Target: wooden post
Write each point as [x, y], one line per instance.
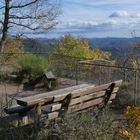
[38, 116]
[38, 109]
[108, 94]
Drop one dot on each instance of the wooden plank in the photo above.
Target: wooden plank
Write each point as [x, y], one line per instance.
[22, 94]
[115, 89]
[88, 104]
[57, 98]
[48, 96]
[62, 96]
[51, 107]
[113, 96]
[30, 102]
[56, 107]
[90, 96]
[52, 115]
[87, 97]
[84, 105]
[17, 109]
[90, 89]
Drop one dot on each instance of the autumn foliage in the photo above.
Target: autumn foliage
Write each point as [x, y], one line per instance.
[78, 47]
[13, 48]
[132, 132]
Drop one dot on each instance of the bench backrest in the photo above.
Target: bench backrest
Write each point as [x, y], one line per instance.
[83, 98]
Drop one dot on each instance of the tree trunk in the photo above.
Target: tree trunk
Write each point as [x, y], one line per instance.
[5, 25]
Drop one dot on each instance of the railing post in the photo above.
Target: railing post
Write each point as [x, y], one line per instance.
[136, 88]
[76, 73]
[124, 78]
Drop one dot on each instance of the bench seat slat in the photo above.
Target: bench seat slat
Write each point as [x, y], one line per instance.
[48, 96]
[17, 109]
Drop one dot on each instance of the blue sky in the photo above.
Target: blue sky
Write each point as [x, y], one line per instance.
[98, 18]
[95, 18]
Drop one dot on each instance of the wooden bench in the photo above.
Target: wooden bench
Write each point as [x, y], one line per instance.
[19, 112]
[74, 99]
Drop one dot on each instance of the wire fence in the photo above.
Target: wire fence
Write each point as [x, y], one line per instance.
[75, 68]
[98, 72]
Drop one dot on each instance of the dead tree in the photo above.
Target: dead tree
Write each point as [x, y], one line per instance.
[29, 14]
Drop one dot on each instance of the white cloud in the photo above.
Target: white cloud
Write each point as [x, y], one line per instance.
[105, 25]
[102, 27]
[119, 14]
[137, 15]
[91, 23]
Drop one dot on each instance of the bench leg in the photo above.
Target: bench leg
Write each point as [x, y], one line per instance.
[38, 109]
[25, 120]
[38, 112]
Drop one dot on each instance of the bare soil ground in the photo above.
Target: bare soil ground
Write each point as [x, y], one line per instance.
[16, 90]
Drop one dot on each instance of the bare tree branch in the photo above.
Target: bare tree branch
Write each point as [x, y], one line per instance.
[30, 14]
[25, 26]
[1, 22]
[24, 5]
[26, 17]
[2, 7]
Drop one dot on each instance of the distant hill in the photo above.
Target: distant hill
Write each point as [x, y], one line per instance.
[117, 46]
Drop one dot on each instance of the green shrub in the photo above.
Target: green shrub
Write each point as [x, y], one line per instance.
[82, 126]
[32, 66]
[85, 126]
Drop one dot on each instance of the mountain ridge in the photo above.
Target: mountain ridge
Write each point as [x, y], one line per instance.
[117, 46]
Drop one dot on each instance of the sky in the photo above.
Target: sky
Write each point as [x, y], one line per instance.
[98, 18]
[95, 18]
